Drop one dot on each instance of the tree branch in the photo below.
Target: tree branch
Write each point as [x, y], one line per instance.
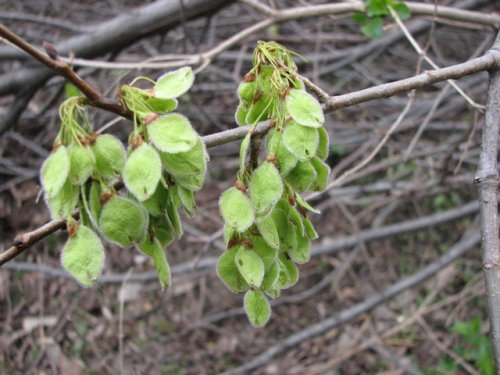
[52, 61]
[488, 180]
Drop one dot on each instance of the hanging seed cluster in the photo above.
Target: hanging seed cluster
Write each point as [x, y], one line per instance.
[268, 230]
[164, 165]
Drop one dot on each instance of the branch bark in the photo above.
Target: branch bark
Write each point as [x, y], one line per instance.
[487, 179]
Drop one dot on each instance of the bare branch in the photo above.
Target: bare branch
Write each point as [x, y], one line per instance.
[488, 180]
[52, 61]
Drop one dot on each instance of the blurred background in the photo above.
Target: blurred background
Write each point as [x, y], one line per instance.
[385, 221]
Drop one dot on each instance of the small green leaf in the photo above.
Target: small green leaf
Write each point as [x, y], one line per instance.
[285, 229]
[156, 204]
[322, 174]
[402, 10]
[64, 202]
[377, 8]
[250, 266]
[267, 228]
[289, 273]
[323, 145]
[193, 183]
[270, 277]
[228, 272]
[83, 256]
[304, 108]
[174, 83]
[241, 115]
[95, 201]
[302, 252]
[265, 189]
[302, 176]
[244, 150]
[161, 106]
[82, 165]
[260, 110]
[309, 227]
[189, 163]
[172, 133]
[373, 27]
[359, 18]
[266, 253]
[109, 155]
[142, 172]
[303, 203]
[187, 199]
[246, 91]
[123, 221]
[71, 90]
[55, 171]
[257, 308]
[154, 249]
[301, 141]
[285, 160]
[236, 209]
[173, 216]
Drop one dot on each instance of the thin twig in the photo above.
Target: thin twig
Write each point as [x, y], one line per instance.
[52, 61]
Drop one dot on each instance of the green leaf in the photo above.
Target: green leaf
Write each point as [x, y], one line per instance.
[267, 228]
[71, 90]
[266, 253]
[174, 83]
[55, 171]
[301, 141]
[257, 308]
[193, 183]
[302, 176]
[289, 273]
[172, 134]
[241, 115]
[142, 172]
[109, 155]
[83, 256]
[377, 8]
[154, 249]
[285, 160]
[323, 145]
[228, 272]
[265, 189]
[123, 221]
[95, 201]
[402, 10]
[187, 199]
[270, 277]
[156, 204]
[173, 216]
[285, 229]
[82, 163]
[236, 209]
[302, 252]
[250, 266]
[260, 110]
[189, 163]
[303, 203]
[373, 28]
[161, 106]
[322, 174]
[246, 91]
[304, 108]
[309, 227]
[359, 18]
[64, 202]
[244, 150]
